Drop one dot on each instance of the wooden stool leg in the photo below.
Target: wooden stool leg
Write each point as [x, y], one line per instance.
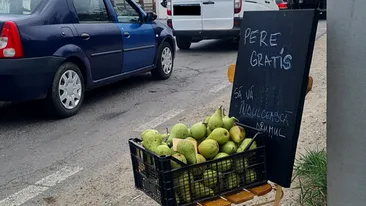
[278, 196]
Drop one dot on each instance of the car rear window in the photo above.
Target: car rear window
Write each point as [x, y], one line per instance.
[18, 7]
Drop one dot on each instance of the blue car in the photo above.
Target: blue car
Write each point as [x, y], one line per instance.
[58, 49]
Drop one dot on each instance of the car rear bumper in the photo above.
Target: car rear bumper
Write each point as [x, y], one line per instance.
[28, 78]
[209, 34]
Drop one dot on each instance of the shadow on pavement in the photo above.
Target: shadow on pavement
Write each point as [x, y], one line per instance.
[34, 112]
[22, 112]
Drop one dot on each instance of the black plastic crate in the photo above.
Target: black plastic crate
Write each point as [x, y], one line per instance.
[187, 185]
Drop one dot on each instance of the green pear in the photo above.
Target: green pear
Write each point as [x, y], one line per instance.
[210, 178]
[163, 150]
[187, 149]
[200, 158]
[179, 157]
[198, 130]
[206, 120]
[208, 148]
[221, 135]
[245, 143]
[182, 182]
[223, 166]
[198, 171]
[148, 161]
[215, 120]
[177, 198]
[191, 138]
[148, 130]
[228, 122]
[180, 131]
[229, 147]
[151, 140]
[189, 133]
[240, 164]
[233, 180]
[208, 131]
[200, 190]
[237, 134]
[250, 176]
[201, 140]
[170, 141]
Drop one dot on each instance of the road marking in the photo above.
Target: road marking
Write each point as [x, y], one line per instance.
[219, 87]
[159, 120]
[58, 176]
[42, 185]
[23, 195]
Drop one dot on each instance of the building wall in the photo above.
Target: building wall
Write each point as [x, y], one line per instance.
[346, 102]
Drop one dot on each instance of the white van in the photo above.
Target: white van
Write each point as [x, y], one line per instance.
[196, 20]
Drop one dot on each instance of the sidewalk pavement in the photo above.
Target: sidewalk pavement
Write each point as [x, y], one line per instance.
[115, 184]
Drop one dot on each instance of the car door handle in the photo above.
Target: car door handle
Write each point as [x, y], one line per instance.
[267, 2]
[126, 34]
[208, 2]
[85, 36]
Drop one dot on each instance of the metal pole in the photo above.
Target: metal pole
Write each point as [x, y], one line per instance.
[346, 102]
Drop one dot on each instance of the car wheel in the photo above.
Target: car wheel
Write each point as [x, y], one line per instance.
[165, 62]
[67, 93]
[183, 43]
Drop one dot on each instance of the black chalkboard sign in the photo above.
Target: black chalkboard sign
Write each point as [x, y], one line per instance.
[270, 81]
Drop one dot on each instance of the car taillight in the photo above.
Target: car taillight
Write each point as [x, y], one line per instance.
[237, 6]
[169, 7]
[10, 43]
[282, 5]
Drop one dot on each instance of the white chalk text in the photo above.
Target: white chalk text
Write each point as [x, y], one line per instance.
[262, 38]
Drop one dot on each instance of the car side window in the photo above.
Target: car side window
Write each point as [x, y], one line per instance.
[91, 11]
[125, 12]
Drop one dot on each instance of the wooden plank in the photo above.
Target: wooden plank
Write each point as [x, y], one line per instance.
[310, 84]
[278, 196]
[261, 190]
[217, 202]
[231, 72]
[239, 197]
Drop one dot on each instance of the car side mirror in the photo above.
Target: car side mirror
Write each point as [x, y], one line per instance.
[151, 16]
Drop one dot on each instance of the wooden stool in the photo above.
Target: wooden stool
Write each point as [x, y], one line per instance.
[242, 196]
[247, 195]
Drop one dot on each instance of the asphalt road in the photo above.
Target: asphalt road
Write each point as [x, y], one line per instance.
[33, 146]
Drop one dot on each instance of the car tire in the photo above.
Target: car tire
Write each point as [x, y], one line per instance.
[67, 91]
[164, 62]
[183, 43]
